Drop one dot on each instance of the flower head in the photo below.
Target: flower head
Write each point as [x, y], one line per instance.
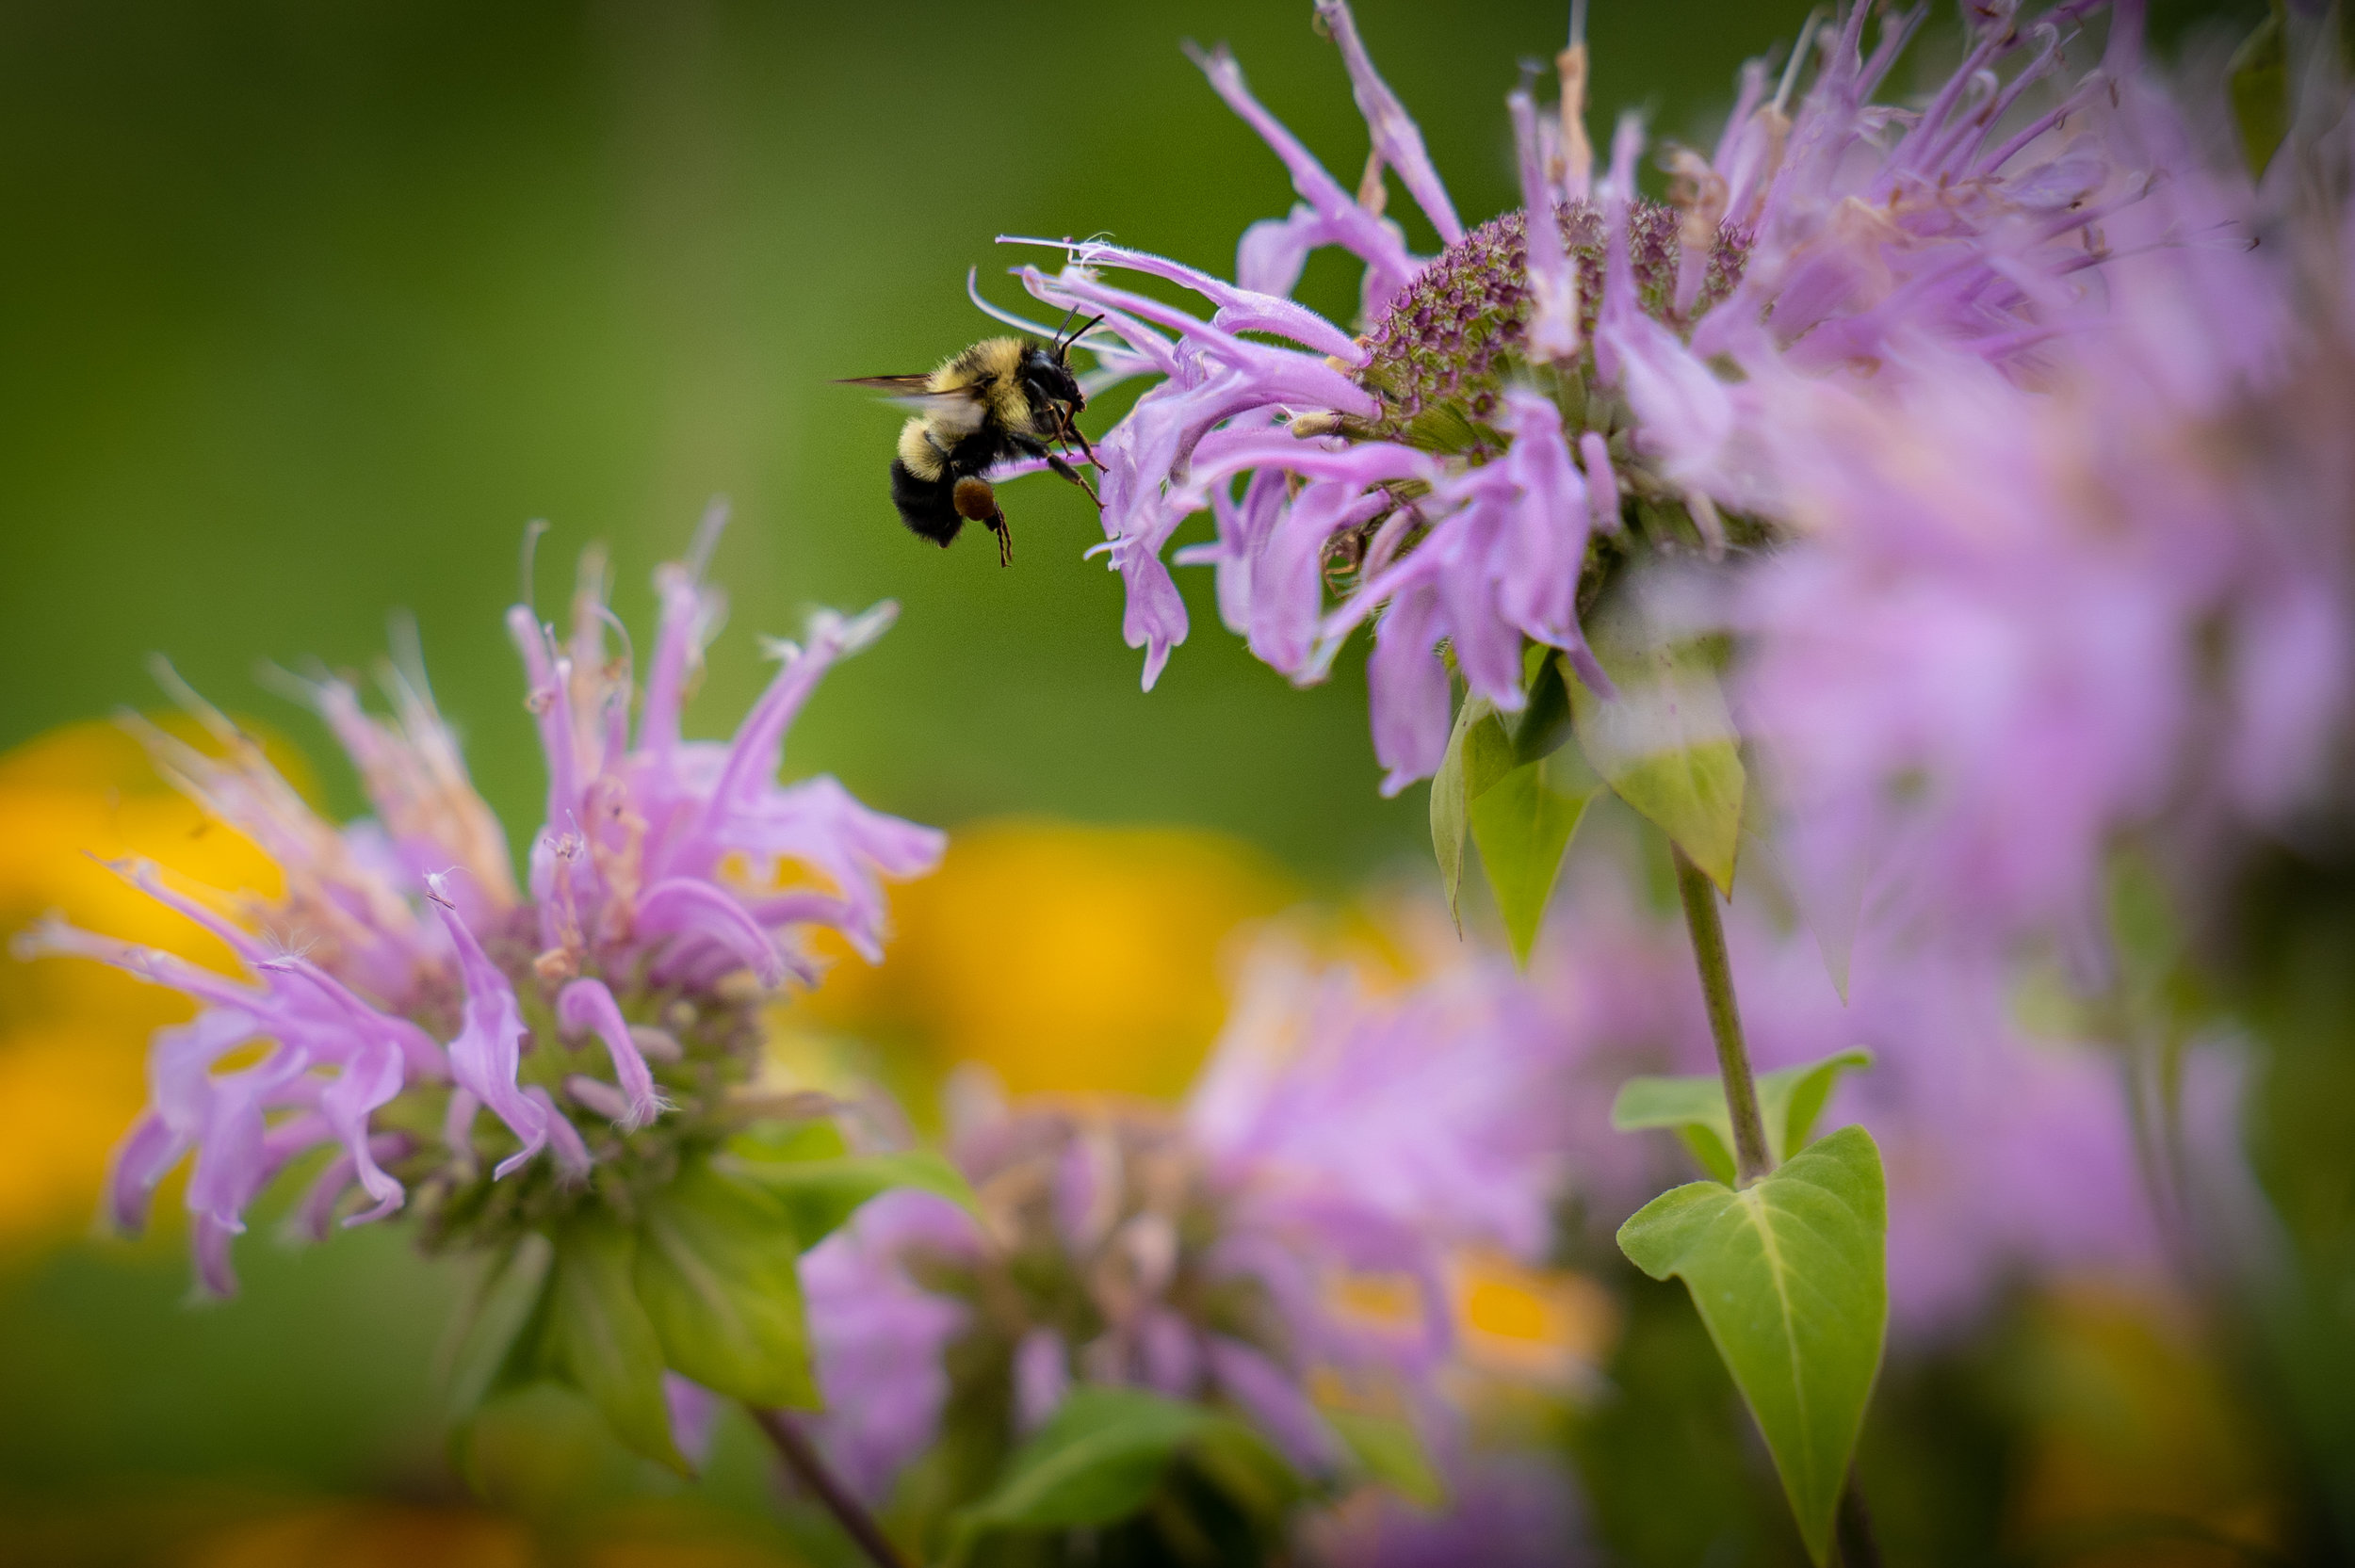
[1288, 1232]
[1517, 415]
[604, 1013]
[2026, 620]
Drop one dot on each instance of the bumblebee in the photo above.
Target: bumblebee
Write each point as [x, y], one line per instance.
[1002, 399]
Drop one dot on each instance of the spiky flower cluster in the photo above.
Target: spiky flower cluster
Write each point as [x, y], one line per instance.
[1601, 378]
[604, 1013]
[1287, 1232]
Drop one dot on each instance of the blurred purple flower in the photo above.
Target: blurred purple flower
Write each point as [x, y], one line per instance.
[1503, 1511]
[878, 1339]
[1515, 393]
[403, 963]
[1292, 1223]
[2024, 620]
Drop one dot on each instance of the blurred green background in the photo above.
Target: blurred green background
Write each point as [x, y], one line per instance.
[305, 310]
[312, 308]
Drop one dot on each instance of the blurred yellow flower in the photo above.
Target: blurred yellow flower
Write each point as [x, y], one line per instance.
[1066, 958]
[72, 1035]
[1545, 1327]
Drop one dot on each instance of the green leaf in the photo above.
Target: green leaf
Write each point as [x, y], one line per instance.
[819, 1194]
[1665, 743]
[600, 1339]
[2259, 80]
[1095, 1461]
[1789, 1101]
[717, 1272]
[1245, 1467]
[1484, 751]
[1544, 723]
[1787, 1274]
[817, 1138]
[1387, 1450]
[1523, 824]
[489, 1347]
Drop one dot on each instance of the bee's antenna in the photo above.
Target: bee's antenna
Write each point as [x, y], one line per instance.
[1062, 344]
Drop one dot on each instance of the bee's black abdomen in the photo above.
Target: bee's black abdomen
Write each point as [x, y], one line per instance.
[928, 507]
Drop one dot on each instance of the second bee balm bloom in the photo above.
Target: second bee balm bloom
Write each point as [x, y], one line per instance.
[562, 1071]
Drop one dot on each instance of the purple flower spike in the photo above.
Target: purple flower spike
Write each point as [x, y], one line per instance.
[406, 970]
[1339, 1138]
[1826, 240]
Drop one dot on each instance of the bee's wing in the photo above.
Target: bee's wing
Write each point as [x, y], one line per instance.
[956, 411]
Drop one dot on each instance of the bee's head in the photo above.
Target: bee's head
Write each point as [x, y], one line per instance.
[1047, 377]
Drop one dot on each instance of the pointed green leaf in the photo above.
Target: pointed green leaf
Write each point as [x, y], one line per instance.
[2259, 79]
[1789, 1101]
[1388, 1451]
[819, 1194]
[1523, 825]
[718, 1273]
[489, 1347]
[600, 1339]
[1788, 1276]
[1094, 1461]
[1791, 1098]
[1544, 721]
[1664, 742]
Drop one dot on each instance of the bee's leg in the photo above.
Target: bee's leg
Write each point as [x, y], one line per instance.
[978, 503]
[1071, 427]
[1076, 478]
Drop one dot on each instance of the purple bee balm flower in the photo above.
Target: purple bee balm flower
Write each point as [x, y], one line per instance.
[602, 1015]
[878, 1339]
[2023, 621]
[1293, 1222]
[1516, 415]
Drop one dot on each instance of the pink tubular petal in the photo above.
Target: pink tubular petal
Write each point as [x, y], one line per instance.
[314, 1218]
[370, 1078]
[565, 1140]
[586, 1004]
[488, 1050]
[215, 1276]
[1395, 136]
[690, 611]
[1552, 282]
[1389, 268]
[149, 1149]
[756, 753]
[550, 701]
[687, 907]
[1240, 308]
[1602, 483]
[1408, 691]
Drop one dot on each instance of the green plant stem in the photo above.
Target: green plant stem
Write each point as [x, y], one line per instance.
[810, 1470]
[1751, 1159]
[1751, 1155]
